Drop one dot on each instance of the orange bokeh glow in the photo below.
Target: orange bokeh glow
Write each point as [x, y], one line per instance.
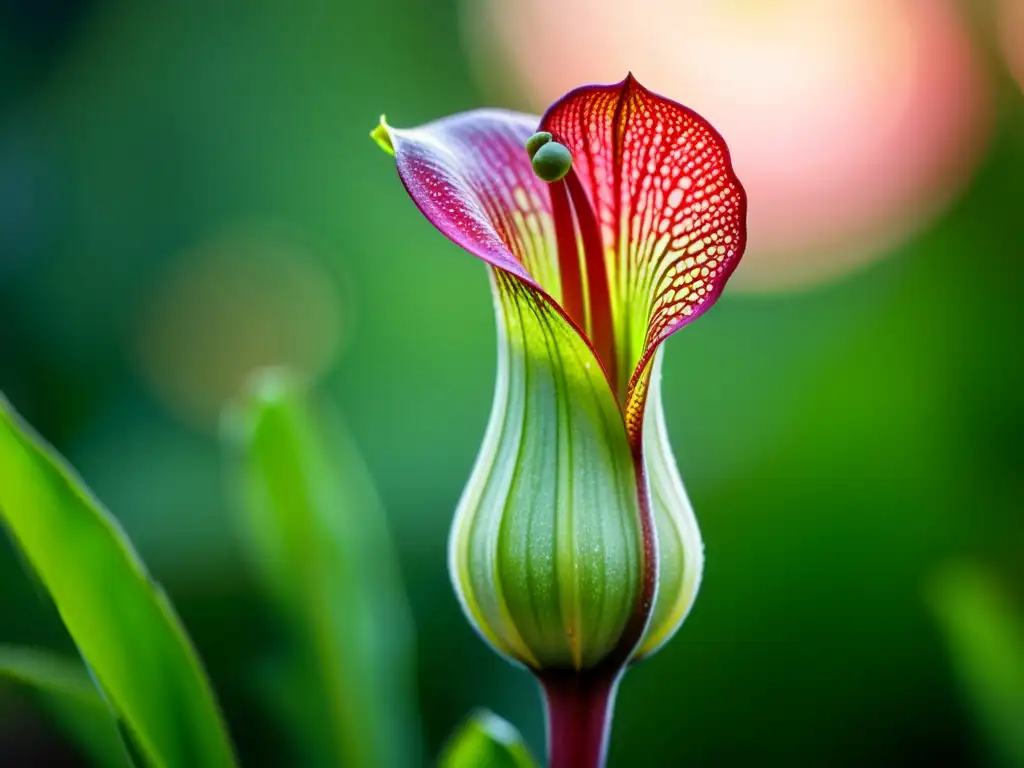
[850, 121]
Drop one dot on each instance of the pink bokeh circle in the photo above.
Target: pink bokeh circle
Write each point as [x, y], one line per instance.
[851, 122]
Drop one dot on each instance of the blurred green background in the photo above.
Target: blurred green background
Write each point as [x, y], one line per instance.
[187, 191]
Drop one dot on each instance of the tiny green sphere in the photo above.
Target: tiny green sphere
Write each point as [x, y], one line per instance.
[552, 162]
[537, 141]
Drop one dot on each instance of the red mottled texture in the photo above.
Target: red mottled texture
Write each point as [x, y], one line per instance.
[647, 227]
[671, 211]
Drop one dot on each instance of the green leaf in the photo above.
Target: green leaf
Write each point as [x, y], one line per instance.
[66, 691]
[485, 740]
[985, 635]
[122, 622]
[317, 537]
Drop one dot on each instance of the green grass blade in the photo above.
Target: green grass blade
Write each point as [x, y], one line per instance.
[317, 537]
[65, 690]
[985, 635]
[485, 740]
[121, 621]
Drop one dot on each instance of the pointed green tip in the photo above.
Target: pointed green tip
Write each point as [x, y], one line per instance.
[266, 388]
[382, 135]
[273, 384]
[485, 740]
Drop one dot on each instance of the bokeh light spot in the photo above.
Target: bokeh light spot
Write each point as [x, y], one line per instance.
[851, 122]
[239, 301]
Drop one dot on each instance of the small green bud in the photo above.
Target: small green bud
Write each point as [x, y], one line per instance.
[537, 141]
[552, 161]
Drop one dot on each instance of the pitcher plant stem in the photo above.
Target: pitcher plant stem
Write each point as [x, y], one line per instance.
[578, 707]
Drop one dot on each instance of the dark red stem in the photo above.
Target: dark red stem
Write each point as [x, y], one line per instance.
[568, 254]
[601, 330]
[576, 225]
[579, 716]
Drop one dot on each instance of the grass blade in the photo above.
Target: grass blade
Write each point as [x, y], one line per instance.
[65, 690]
[485, 740]
[317, 536]
[985, 635]
[121, 621]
